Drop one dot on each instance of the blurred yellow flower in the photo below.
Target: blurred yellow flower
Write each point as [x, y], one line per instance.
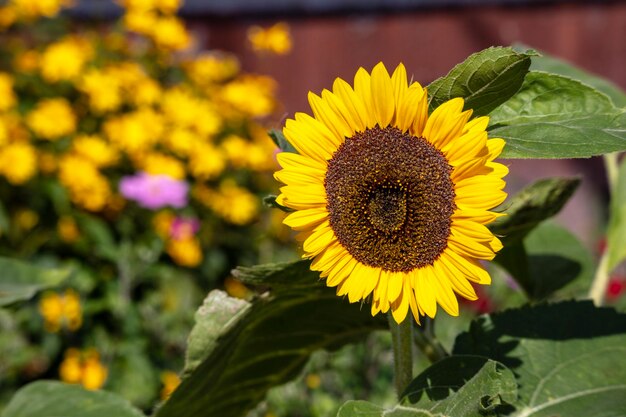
[47, 162]
[87, 186]
[8, 16]
[162, 223]
[313, 381]
[7, 95]
[68, 229]
[26, 219]
[158, 163]
[170, 33]
[185, 252]
[252, 95]
[27, 61]
[236, 288]
[170, 381]
[212, 68]
[34, 8]
[206, 162]
[181, 141]
[95, 149]
[52, 118]
[18, 162]
[83, 368]
[135, 131]
[234, 204]
[144, 92]
[140, 21]
[61, 310]
[103, 90]
[275, 39]
[64, 60]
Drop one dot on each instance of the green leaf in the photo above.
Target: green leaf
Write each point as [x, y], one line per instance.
[616, 232]
[568, 358]
[270, 201]
[557, 117]
[534, 204]
[550, 64]
[550, 258]
[20, 281]
[280, 141]
[459, 386]
[56, 399]
[265, 343]
[485, 80]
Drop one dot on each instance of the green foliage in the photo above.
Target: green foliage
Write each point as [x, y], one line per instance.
[616, 232]
[485, 80]
[20, 281]
[56, 399]
[534, 204]
[280, 141]
[264, 343]
[568, 358]
[557, 117]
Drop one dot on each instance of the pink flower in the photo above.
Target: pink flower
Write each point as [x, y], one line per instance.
[184, 227]
[154, 191]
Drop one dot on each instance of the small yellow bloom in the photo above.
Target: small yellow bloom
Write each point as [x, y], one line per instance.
[87, 186]
[170, 381]
[27, 61]
[313, 381]
[162, 223]
[206, 162]
[236, 288]
[31, 9]
[7, 95]
[181, 141]
[145, 92]
[95, 149]
[61, 310]
[26, 219]
[103, 90]
[251, 95]
[65, 59]
[185, 252]
[157, 163]
[275, 39]
[136, 131]
[18, 162]
[68, 229]
[169, 33]
[52, 118]
[234, 204]
[47, 162]
[140, 21]
[83, 368]
[8, 16]
[212, 68]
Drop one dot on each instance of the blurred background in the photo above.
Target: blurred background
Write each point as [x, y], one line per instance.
[93, 93]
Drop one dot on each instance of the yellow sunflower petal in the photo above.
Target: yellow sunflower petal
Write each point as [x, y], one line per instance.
[306, 219]
[325, 114]
[396, 281]
[400, 307]
[421, 116]
[353, 122]
[399, 84]
[362, 88]
[425, 291]
[469, 267]
[302, 198]
[322, 236]
[354, 105]
[413, 304]
[307, 142]
[298, 177]
[472, 230]
[382, 95]
[329, 257]
[446, 122]
[457, 279]
[470, 248]
[289, 160]
[409, 107]
[445, 296]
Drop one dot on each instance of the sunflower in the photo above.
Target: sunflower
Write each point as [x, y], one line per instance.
[390, 201]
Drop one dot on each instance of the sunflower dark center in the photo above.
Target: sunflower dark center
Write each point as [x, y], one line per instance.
[390, 199]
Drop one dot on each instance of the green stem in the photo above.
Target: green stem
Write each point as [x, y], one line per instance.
[428, 343]
[600, 282]
[401, 340]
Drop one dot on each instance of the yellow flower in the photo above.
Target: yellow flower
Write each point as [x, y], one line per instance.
[140, 21]
[87, 186]
[18, 162]
[145, 92]
[185, 252]
[61, 310]
[275, 39]
[47, 162]
[158, 163]
[68, 229]
[313, 381]
[170, 381]
[251, 95]
[7, 95]
[162, 223]
[95, 149]
[181, 141]
[64, 60]
[234, 204]
[206, 162]
[212, 68]
[392, 202]
[103, 90]
[169, 33]
[26, 219]
[34, 8]
[8, 16]
[236, 288]
[52, 118]
[136, 131]
[83, 368]
[26, 61]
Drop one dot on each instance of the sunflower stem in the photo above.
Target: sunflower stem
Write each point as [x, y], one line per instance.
[600, 282]
[401, 339]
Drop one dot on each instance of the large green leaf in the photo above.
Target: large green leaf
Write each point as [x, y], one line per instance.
[568, 357]
[553, 116]
[265, 343]
[554, 65]
[549, 259]
[56, 399]
[20, 281]
[459, 386]
[534, 204]
[616, 233]
[485, 80]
